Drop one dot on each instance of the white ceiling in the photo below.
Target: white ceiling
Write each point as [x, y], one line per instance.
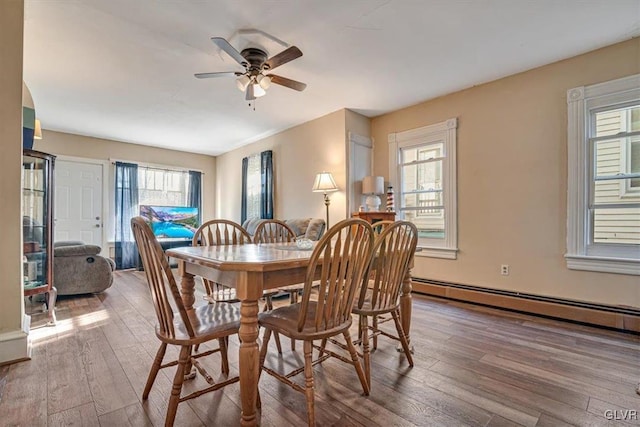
[123, 69]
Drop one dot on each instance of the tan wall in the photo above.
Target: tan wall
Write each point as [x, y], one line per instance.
[59, 143]
[299, 154]
[11, 302]
[512, 178]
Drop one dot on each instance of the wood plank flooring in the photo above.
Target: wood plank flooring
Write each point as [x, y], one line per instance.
[474, 366]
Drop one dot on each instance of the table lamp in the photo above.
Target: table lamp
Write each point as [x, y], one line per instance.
[371, 187]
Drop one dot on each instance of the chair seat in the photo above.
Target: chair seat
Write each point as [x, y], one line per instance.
[284, 320]
[209, 321]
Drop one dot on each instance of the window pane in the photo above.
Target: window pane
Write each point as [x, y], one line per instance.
[423, 152]
[431, 225]
[634, 159]
[611, 122]
[620, 225]
[254, 187]
[422, 177]
[162, 187]
[615, 192]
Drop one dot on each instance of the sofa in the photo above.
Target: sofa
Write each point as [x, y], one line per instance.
[310, 228]
[79, 269]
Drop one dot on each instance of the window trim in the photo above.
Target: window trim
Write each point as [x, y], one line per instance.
[445, 131]
[580, 255]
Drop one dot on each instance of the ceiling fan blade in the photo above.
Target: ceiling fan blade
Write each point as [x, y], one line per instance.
[231, 51]
[283, 57]
[218, 74]
[283, 81]
[249, 93]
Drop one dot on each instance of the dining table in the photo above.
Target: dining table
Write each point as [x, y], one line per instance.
[251, 269]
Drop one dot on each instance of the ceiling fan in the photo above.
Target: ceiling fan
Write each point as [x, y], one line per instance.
[254, 81]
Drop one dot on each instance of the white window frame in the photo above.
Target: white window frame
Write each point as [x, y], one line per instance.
[440, 132]
[581, 255]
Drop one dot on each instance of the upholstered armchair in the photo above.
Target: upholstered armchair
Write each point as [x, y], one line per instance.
[79, 269]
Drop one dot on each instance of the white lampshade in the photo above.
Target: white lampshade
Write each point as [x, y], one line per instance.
[37, 132]
[373, 185]
[242, 82]
[258, 91]
[324, 183]
[263, 81]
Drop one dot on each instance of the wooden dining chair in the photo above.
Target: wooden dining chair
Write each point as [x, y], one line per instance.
[393, 252]
[207, 323]
[276, 231]
[339, 263]
[219, 232]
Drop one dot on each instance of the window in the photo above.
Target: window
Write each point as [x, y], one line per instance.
[422, 165]
[604, 177]
[257, 186]
[162, 187]
[254, 187]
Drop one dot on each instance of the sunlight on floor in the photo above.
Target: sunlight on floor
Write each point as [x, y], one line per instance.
[64, 327]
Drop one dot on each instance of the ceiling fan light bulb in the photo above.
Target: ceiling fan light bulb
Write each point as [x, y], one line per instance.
[258, 91]
[242, 82]
[264, 81]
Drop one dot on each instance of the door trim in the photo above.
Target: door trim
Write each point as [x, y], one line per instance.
[105, 193]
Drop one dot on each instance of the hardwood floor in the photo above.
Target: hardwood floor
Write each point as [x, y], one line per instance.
[473, 366]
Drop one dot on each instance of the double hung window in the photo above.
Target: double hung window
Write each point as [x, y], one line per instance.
[604, 177]
[423, 170]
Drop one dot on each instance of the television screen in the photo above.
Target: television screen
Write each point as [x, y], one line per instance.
[171, 222]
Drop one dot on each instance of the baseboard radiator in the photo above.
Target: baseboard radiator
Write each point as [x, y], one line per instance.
[615, 317]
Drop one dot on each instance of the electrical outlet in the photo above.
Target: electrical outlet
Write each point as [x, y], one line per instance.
[504, 269]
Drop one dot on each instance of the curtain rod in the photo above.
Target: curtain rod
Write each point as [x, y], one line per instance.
[157, 166]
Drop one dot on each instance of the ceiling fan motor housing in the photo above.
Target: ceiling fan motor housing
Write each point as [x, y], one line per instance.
[256, 59]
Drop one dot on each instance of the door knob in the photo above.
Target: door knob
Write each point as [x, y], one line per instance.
[97, 218]
[97, 225]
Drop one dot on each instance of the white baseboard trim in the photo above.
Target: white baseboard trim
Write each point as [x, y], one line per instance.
[15, 346]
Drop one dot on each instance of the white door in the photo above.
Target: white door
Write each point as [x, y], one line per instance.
[78, 202]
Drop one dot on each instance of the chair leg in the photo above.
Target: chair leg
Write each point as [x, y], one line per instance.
[222, 342]
[366, 352]
[356, 362]
[185, 353]
[323, 344]
[268, 305]
[263, 355]
[309, 389]
[403, 337]
[375, 328]
[155, 367]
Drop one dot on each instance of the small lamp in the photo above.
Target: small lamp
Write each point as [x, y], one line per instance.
[372, 186]
[37, 132]
[324, 183]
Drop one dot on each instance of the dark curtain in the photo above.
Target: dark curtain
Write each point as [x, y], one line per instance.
[266, 175]
[243, 208]
[195, 192]
[126, 208]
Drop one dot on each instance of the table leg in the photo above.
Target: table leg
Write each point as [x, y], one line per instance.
[249, 361]
[187, 285]
[405, 309]
[187, 292]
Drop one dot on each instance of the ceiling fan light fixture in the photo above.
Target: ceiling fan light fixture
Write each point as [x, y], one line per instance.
[264, 81]
[242, 82]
